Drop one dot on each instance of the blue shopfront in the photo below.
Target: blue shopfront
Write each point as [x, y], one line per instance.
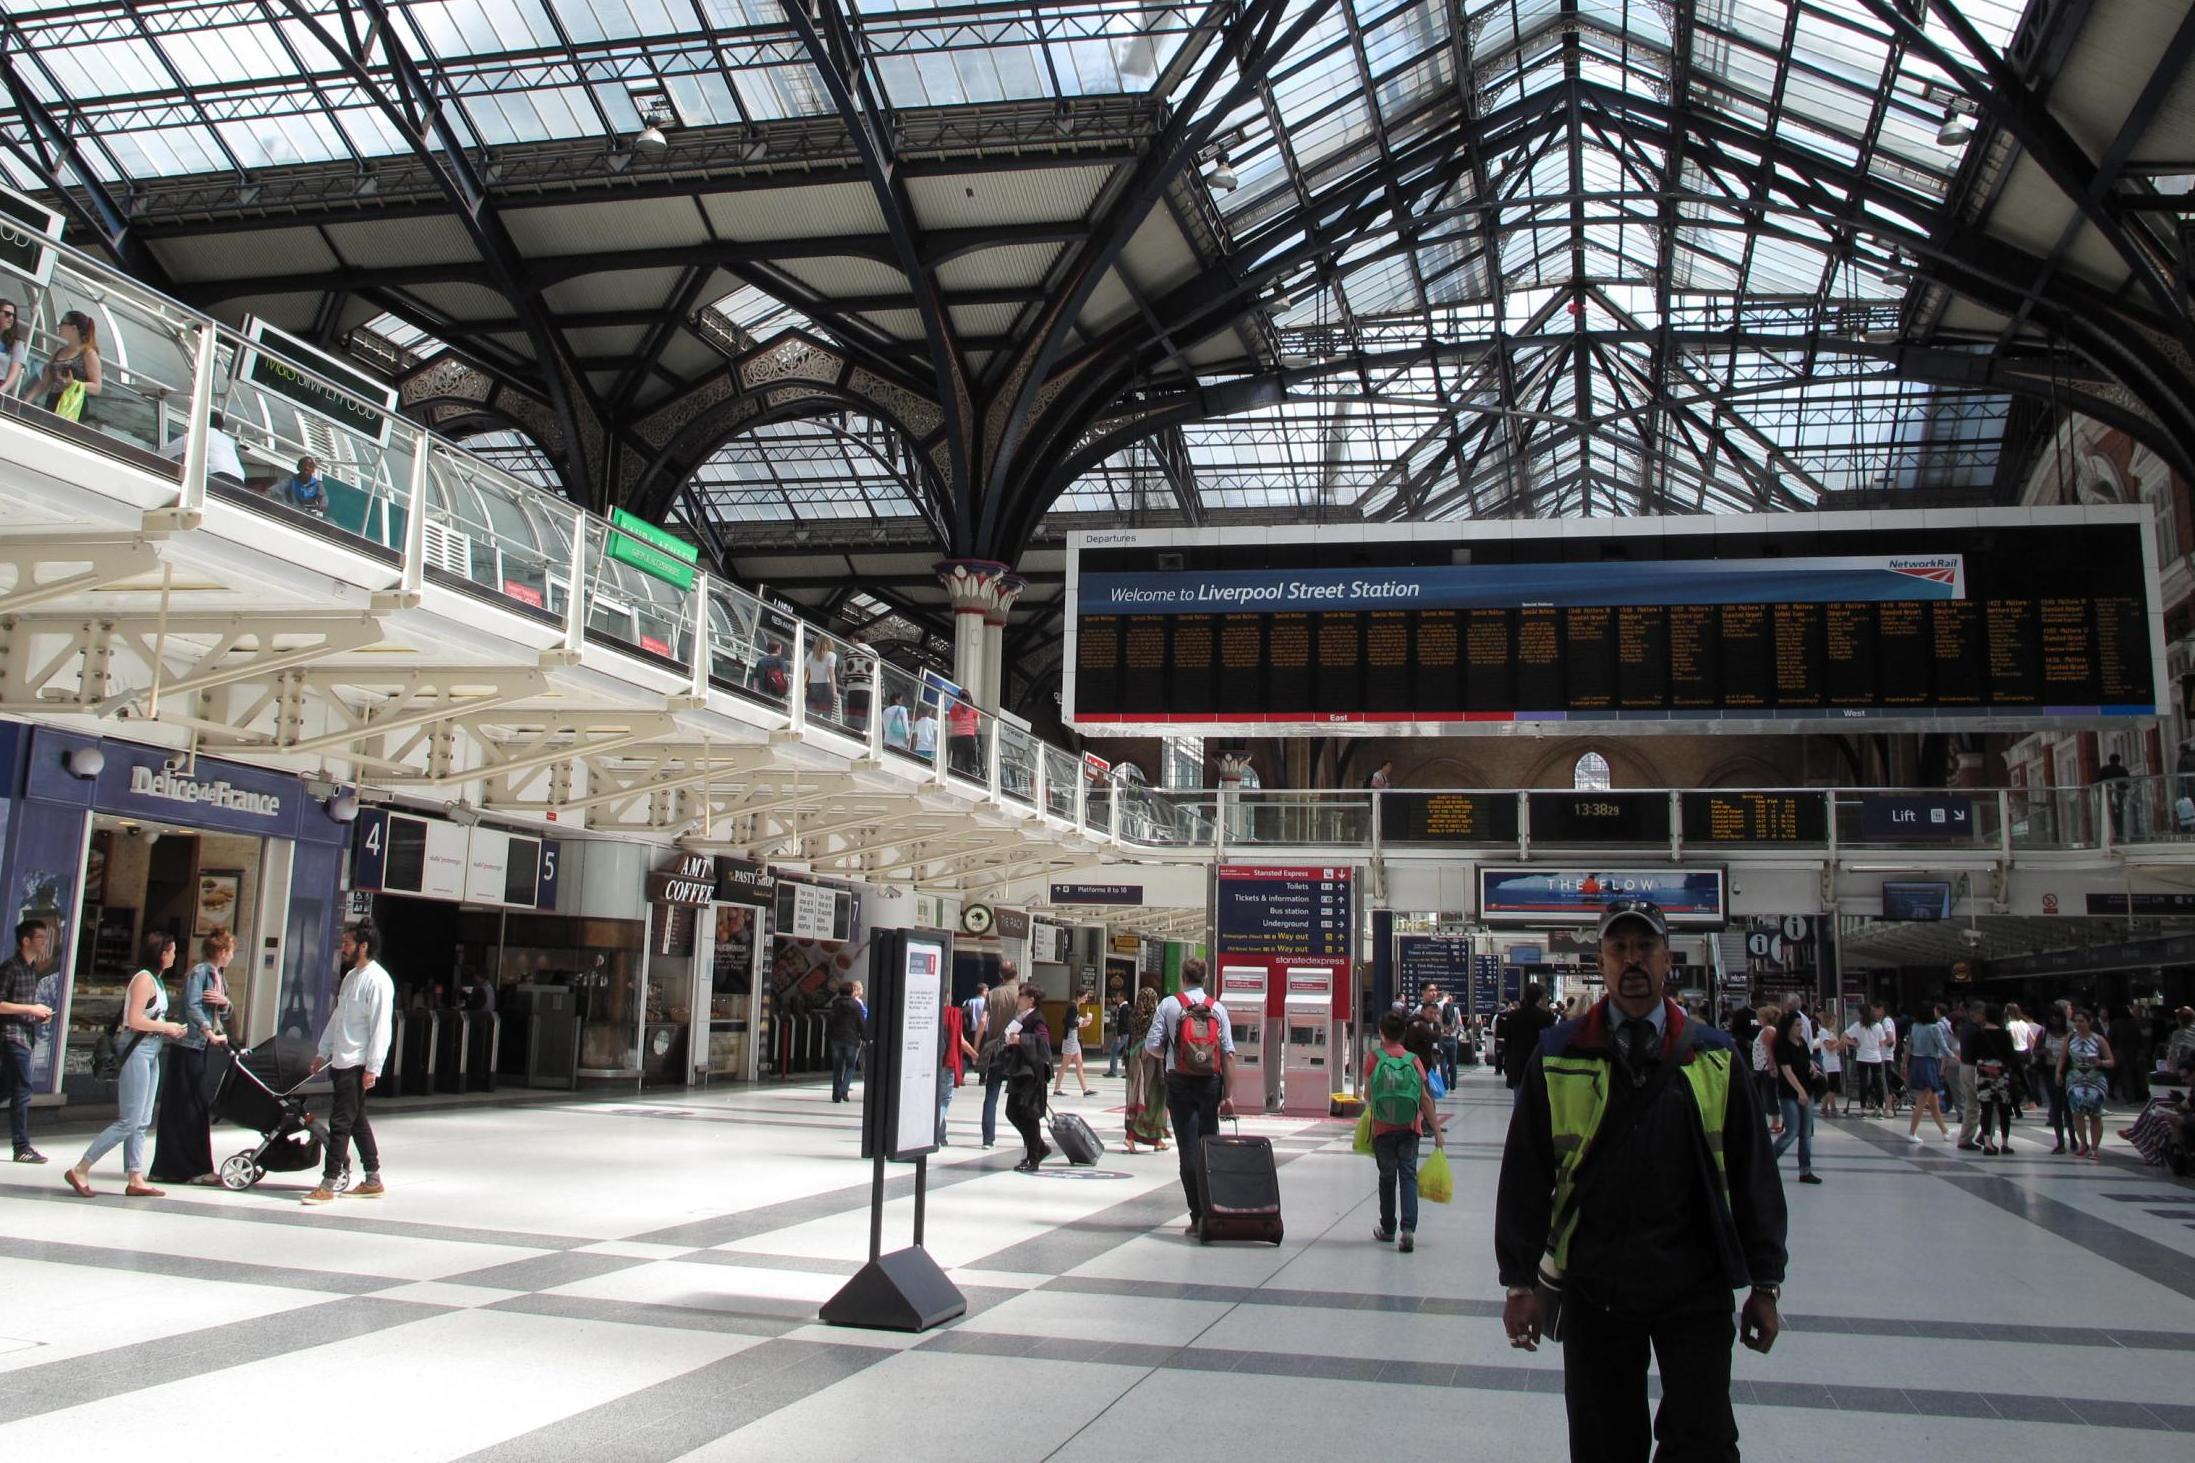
[107, 841]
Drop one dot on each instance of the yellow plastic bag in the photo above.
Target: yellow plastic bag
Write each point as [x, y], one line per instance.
[71, 402]
[1364, 1131]
[1436, 1185]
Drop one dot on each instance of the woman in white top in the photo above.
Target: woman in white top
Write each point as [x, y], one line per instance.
[1827, 1046]
[1764, 1066]
[145, 1029]
[822, 680]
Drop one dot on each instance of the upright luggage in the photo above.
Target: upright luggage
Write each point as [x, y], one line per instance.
[1240, 1189]
[1075, 1139]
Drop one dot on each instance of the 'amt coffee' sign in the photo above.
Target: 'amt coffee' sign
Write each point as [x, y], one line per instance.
[692, 880]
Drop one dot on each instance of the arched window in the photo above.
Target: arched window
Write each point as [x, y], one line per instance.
[1591, 774]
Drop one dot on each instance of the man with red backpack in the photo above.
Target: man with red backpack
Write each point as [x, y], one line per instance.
[1196, 1040]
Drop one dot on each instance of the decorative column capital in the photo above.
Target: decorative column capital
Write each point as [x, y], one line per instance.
[980, 587]
[1232, 768]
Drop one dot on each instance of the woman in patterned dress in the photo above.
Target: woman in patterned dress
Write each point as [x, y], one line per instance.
[2085, 1073]
[1146, 1115]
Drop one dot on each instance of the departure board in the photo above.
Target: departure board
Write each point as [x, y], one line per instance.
[1448, 817]
[1756, 817]
[2017, 617]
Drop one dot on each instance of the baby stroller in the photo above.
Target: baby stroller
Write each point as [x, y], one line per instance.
[260, 1091]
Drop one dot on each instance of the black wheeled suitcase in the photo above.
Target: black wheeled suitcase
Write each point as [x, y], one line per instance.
[1241, 1190]
[1075, 1139]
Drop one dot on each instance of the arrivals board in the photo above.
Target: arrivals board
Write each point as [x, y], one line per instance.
[2012, 617]
[1756, 817]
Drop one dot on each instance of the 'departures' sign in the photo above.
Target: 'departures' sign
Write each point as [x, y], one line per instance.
[330, 390]
[28, 232]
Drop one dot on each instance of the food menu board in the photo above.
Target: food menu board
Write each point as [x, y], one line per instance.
[1285, 911]
[2016, 617]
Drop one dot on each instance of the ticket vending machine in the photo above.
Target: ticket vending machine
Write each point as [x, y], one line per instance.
[1310, 1058]
[1242, 990]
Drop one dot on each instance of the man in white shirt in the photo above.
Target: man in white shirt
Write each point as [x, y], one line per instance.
[1195, 1099]
[352, 1047]
[223, 463]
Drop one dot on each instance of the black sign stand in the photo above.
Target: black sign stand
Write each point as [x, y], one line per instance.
[904, 1290]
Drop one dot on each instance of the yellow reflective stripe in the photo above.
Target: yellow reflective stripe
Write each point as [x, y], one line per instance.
[1577, 1098]
[1709, 1074]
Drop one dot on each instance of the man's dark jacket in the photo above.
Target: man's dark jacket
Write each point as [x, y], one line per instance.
[1520, 1038]
[1654, 1233]
[843, 1021]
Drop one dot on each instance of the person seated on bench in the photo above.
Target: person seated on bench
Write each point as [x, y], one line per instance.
[304, 491]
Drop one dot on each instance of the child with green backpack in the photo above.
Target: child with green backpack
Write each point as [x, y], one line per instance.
[1400, 1103]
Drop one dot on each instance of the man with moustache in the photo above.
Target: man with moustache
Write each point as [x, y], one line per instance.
[1637, 1191]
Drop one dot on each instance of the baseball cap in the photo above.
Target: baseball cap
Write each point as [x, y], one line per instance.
[1645, 910]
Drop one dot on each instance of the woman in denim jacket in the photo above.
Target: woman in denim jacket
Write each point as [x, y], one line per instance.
[184, 1152]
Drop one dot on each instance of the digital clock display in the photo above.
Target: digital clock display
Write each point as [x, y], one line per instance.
[1600, 817]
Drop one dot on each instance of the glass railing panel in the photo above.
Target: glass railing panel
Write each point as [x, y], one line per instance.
[2054, 817]
[1287, 817]
[639, 610]
[2150, 809]
[750, 646]
[1061, 775]
[1017, 764]
[912, 729]
[1097, 809]
[303, 465]
[143, 344]
[486, 531]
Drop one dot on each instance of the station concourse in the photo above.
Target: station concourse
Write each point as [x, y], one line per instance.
[595, 570]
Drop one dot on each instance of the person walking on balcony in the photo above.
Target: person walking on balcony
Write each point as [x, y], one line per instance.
[74, 374]
[14, 350]
[822, 675]
[2114, 779]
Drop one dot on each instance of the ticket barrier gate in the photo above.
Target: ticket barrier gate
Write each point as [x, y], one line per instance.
[484, 1037]
[451, 1047]
[1242, 990]
[421, 1034]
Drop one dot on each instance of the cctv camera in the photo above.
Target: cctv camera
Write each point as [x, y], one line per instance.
[1972, 937]
[174, 762]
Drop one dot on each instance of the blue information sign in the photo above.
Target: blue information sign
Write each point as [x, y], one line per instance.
[1430, 960]
[1917, 819]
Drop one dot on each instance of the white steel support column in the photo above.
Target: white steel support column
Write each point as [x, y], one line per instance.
[982, 591]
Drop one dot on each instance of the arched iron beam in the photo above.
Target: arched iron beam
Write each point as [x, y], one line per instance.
[1251, 46]
[418, 114]
[834, 50]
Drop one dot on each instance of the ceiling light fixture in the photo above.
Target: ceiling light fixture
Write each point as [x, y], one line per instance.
[1222, 177]
[1956, 129]
[651, 140]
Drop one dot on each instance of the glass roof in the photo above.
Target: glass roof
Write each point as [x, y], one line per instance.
[1631, 225]
[838, 467]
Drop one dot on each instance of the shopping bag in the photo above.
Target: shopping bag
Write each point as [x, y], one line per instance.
[1434, 1082]
[1436, 1185]
[1364, 1131]
[71, 404]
